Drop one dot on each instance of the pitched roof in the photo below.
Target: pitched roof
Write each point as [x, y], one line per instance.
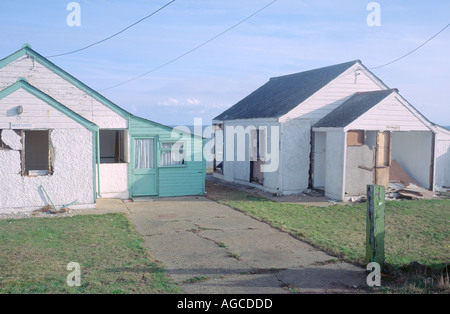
[23, 84]
[353, 108]
[26, 50]
[282, 94]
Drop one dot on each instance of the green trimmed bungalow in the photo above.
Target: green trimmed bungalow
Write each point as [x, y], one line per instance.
[62, 143]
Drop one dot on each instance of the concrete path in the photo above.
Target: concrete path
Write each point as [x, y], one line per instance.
[210, 248]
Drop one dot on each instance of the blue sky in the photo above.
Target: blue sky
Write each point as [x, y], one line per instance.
[287, 37]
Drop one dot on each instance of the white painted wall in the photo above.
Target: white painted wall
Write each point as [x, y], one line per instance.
[442, 164]
[61, 90]
[334, 94]
[389, 114]
[442, 155]
[336, 143]
[295, 155]
[412, 150]
[319, 156]
[35, 112]
[114, 181]
[356, 178]
[239, 171]
[72, 179]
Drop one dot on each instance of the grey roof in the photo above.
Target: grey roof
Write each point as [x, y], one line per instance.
[282, 94]
[353, 108]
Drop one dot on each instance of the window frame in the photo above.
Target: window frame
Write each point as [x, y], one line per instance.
[171, 149]
[121, 154]
[25, 172]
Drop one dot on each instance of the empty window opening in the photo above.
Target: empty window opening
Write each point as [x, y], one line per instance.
[37, 153]
[113, 146]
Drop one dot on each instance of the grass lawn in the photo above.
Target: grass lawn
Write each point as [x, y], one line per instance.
[417, 233]
[34, 254]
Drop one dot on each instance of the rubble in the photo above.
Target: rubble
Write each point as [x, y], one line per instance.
[401, 185]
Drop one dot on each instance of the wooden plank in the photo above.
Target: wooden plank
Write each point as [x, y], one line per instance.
[22, 152]
[355, 138]
[375, 228]
[382, 176]
[383, 158]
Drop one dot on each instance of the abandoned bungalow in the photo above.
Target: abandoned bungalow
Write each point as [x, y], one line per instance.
[64, 143]
[336, 128]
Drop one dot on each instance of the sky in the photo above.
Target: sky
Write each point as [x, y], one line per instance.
[288, 36]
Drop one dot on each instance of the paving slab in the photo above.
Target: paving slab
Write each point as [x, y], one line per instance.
[211, 248]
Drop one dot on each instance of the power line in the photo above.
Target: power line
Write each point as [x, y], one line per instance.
[192, 50]
[412, 51]
[114, 35]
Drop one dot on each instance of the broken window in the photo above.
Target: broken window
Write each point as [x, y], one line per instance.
[172, 154]
[37, 153]
[113, 146]
[2, 145]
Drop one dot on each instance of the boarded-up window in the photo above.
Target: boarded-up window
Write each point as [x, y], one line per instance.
[355, 138]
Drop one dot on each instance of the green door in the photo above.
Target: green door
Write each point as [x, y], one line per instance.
[144, 174]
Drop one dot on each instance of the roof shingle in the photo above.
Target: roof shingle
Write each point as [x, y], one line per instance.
[282, 94]
[353, 108]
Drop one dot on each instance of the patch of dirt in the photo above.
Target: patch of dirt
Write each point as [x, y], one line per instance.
[221, 189]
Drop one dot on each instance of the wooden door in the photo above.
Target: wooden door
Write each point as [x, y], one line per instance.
[144, 174]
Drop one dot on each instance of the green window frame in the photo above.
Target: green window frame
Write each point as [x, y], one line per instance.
[172, 154]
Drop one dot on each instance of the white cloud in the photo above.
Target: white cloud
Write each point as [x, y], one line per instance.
[174, 102]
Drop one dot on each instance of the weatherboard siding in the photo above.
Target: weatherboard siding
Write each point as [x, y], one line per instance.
[61, 90]
[188, 179]
[36, 113]
[334, 94]
[389, 114]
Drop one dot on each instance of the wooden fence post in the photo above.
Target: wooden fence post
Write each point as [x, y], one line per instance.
[375, 225]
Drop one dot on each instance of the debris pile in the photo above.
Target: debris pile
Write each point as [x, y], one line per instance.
[402, 185]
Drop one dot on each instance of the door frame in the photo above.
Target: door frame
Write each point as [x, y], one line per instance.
[132, 164]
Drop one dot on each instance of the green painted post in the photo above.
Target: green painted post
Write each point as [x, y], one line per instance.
[375, 225]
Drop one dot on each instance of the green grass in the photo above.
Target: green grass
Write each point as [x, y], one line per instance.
[34, 254]
[416, 231]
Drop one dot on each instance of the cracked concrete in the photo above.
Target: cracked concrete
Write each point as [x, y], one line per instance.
[210, 248]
